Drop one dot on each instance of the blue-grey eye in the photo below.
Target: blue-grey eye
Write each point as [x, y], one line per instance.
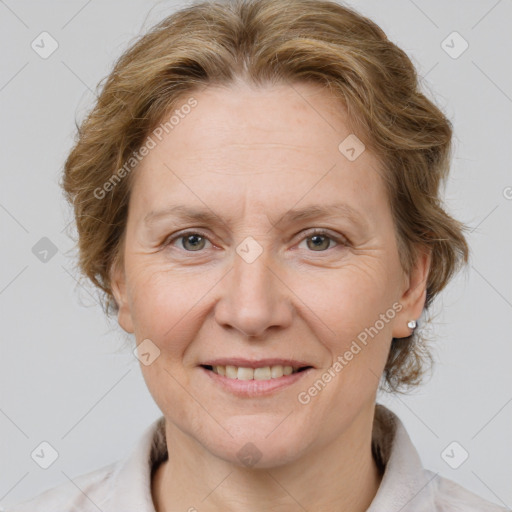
[196, 242]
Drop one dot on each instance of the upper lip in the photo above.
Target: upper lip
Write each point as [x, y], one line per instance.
[255, 363]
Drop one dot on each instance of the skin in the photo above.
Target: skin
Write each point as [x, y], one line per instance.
[249, 155]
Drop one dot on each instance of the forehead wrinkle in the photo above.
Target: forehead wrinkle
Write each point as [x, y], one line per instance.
[317, 211]
[184, 212]
[206, 216]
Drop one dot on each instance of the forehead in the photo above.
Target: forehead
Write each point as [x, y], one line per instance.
[301, 116]
[277, 144]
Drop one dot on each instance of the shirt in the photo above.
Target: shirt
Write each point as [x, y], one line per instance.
[125, 485]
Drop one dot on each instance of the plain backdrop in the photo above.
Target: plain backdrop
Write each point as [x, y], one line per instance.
[64, 377]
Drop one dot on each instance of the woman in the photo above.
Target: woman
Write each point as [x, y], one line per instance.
[257, 194]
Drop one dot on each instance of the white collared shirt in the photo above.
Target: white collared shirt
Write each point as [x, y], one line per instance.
[125, 486]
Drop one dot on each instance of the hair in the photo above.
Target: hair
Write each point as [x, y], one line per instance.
[272, 42]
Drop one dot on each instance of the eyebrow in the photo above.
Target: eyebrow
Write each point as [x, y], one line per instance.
[188, 214]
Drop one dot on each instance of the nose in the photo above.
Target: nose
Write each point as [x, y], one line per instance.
[254, 298]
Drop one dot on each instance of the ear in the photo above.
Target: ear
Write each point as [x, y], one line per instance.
[414, 295]
[118, 285]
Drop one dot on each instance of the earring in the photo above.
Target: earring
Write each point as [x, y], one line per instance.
[411, 324]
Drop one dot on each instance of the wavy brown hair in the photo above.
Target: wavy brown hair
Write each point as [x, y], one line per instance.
[271, 42]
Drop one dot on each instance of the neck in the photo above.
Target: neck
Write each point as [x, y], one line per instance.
[341, 475]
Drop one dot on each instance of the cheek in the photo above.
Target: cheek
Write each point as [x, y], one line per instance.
[353, 312]
[162, 303]
[350, 298]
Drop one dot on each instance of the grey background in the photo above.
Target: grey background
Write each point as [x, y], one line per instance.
[64, 377]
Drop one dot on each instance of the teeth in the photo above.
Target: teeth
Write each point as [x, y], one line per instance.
[263, 373]
[287, 370]
[231, 371]
[245, 374]
[276, 372]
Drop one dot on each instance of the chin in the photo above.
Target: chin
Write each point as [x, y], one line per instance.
[260, 445]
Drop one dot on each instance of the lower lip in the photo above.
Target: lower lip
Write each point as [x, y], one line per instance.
[254, 388]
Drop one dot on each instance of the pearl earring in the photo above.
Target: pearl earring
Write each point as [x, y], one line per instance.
[411, 324]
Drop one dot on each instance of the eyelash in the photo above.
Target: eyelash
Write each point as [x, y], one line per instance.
[340, 240]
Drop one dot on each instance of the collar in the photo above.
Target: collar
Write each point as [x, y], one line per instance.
[406, 485]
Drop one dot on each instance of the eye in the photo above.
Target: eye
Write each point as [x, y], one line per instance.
[191, 241]
[319, 240]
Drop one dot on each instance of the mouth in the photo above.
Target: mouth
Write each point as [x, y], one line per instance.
[254, 372]
[254, 379]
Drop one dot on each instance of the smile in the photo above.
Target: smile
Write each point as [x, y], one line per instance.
[253, 379]
[260, 373]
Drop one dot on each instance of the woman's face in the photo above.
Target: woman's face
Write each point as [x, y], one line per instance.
[249, 284]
